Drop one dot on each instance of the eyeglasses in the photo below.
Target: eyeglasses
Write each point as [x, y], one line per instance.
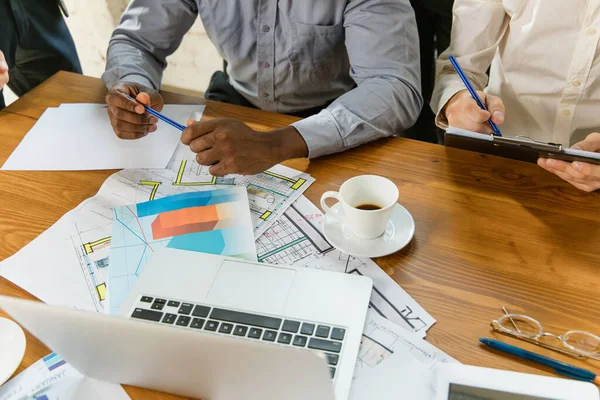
[576, 343]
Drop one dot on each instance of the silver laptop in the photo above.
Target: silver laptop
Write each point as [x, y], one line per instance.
[213, 327]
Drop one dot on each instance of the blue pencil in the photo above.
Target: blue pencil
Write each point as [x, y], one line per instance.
[471, 90]
[559, 367]
[157, 114]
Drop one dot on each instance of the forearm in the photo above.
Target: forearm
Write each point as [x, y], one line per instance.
[126, 62]
[377, 108]
[148, 33]
[477, 32]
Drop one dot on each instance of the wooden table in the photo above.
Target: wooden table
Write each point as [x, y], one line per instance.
[489, 231]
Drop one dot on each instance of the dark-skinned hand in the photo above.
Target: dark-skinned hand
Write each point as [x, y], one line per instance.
[231, 147]
[128, 118]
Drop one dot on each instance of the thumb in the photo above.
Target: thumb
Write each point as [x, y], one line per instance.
[496, 107]
[143, 98]
[591, 143]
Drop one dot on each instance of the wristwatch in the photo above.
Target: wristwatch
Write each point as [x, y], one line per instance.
[63, 8]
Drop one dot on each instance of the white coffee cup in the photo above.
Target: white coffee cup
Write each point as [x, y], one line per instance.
[359, 191]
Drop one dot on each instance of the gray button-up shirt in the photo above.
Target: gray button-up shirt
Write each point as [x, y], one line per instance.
[291, 55]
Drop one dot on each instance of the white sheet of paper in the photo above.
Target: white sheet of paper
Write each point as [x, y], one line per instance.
[394, 363]
[53, 379]
[80, 137]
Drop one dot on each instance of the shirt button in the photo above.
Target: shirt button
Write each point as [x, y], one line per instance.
[266, 64]
[265, 95]
[591, 31]
[576, 82]
[566, 113]
[266, 28]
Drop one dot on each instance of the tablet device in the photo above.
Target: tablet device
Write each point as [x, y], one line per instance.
[465, 382]
[515, 147]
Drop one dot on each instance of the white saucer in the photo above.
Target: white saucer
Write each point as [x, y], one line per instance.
[399, 232]
[12, 348]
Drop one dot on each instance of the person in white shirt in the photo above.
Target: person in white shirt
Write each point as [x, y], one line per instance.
[544, 64]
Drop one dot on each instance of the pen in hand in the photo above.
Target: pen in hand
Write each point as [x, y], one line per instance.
[473, 92]
[157, 114]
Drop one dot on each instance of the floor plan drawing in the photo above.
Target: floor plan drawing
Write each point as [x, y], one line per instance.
[270, 193]
[296, 239]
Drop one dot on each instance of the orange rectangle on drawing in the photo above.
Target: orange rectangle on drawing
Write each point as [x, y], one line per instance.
[185, 220]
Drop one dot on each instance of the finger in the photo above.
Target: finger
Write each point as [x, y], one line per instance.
[121, 125]
[589, 170]
[4, 79]
[124, 115]
[203, 143]
[565, 167]
[130, 135]
[208, 157]
[474, 113]
[217, 169]
[116, 98]
[198, 129]
[496, 108]
[591, 143]
[143, 98]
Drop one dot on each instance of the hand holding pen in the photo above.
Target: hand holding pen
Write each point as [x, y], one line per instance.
[472, 109]
[128, 116]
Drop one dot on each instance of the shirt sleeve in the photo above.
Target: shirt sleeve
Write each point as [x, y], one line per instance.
[382, 45]
[478, 27]
[148, 33]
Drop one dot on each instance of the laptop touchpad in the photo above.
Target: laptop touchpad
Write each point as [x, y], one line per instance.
[251, 287]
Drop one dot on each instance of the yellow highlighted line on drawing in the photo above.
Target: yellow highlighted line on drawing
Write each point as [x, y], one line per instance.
[179, 178]
[101, 289]
[154, 185]
[89, 247]
[265, 215]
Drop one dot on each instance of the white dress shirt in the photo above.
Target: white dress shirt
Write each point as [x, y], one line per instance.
[545, 65]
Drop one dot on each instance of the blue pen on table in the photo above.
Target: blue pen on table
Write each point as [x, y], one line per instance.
[157, 114]
[471, 90]
[559, 367]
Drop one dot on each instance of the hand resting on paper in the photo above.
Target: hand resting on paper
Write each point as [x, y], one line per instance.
[462, 111]
[231, 147]
[584, 176]
[3, 71]
[128, 118]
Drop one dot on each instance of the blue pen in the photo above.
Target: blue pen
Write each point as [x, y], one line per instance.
[559, 367]
[157, 114]
[471, 90]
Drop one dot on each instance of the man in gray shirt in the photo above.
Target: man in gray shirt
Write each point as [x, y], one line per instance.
[357, 58]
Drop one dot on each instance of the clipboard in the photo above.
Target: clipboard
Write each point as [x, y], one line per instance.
[515, 147]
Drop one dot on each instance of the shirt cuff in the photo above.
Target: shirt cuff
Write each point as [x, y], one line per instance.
[440, 117]
[111, 77]
[321, 134]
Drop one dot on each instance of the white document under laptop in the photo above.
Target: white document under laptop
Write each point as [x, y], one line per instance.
[213, 327]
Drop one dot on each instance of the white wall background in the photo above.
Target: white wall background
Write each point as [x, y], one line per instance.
[92, 23]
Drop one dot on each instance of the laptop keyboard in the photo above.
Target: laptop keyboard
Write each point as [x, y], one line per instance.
[268, 329]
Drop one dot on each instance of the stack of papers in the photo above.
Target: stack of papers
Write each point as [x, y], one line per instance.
[80, 137]
[112, 235]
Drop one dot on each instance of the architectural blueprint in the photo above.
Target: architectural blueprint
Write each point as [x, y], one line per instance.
[391, 358]
[270, 193]
[68, 263]
[296, 239]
